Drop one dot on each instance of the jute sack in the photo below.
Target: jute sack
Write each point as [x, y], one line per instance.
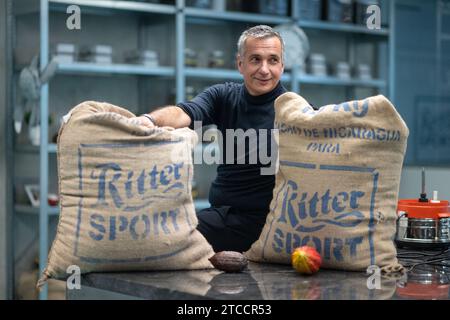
[337, 184]
[125, 196]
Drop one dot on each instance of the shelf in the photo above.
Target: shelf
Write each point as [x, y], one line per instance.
[234, 16]
[52, 148]
[212, 73]
[94, 6]
[127, 69]
[133, 6]
[206, 73]
[90, 68]
[341, 27]
[228, 74]
[202, 73]
[334, 81]
[28, 209]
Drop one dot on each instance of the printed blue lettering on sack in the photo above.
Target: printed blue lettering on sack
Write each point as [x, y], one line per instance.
[127, 197]
[327, 247]
[167, 176]
[297, 208]
[378, 134]
[305, 213]
[162, 221]
[362, 133]
[347, 108]
[323, 147]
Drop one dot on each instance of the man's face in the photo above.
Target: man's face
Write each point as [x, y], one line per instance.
[261, 64]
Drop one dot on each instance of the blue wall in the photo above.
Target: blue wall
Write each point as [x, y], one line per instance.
[421, 96]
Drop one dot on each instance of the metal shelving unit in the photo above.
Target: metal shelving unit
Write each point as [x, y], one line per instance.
[234, 16]
[205, 73]
[208, 73]
[52, 211]
[334, 81]
[44, 209]
[89, 68]
[132, 6]
[342, 27]
[208, 16]
[182, 16]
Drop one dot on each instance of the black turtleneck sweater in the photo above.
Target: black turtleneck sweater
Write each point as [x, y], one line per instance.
[231, 106]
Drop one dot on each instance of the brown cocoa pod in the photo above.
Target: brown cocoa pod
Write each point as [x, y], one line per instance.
[229, 261]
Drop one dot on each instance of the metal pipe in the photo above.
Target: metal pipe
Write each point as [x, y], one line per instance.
[43, 209]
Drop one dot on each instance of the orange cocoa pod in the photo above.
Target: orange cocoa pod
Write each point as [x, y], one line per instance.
[306, 260]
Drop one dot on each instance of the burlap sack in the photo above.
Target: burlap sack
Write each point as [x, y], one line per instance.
[125, 196]
[337, 184]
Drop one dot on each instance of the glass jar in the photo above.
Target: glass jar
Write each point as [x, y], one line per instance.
[217, 59]
[190, 58]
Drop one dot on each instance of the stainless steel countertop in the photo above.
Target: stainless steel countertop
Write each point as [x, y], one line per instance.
[266, 281]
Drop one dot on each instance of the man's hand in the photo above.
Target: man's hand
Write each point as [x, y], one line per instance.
[169, 116]
[144, 121]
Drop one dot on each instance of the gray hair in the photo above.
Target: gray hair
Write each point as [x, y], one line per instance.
[259, 32]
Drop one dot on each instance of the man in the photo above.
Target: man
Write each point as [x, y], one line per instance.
[240, 195]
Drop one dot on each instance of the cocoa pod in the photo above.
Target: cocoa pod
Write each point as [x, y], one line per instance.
[229, 261]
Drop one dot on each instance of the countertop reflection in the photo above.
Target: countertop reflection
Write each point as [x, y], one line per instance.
[266, 281]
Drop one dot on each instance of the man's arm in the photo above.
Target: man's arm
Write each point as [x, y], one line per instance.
[170, 116]
[201, 108]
